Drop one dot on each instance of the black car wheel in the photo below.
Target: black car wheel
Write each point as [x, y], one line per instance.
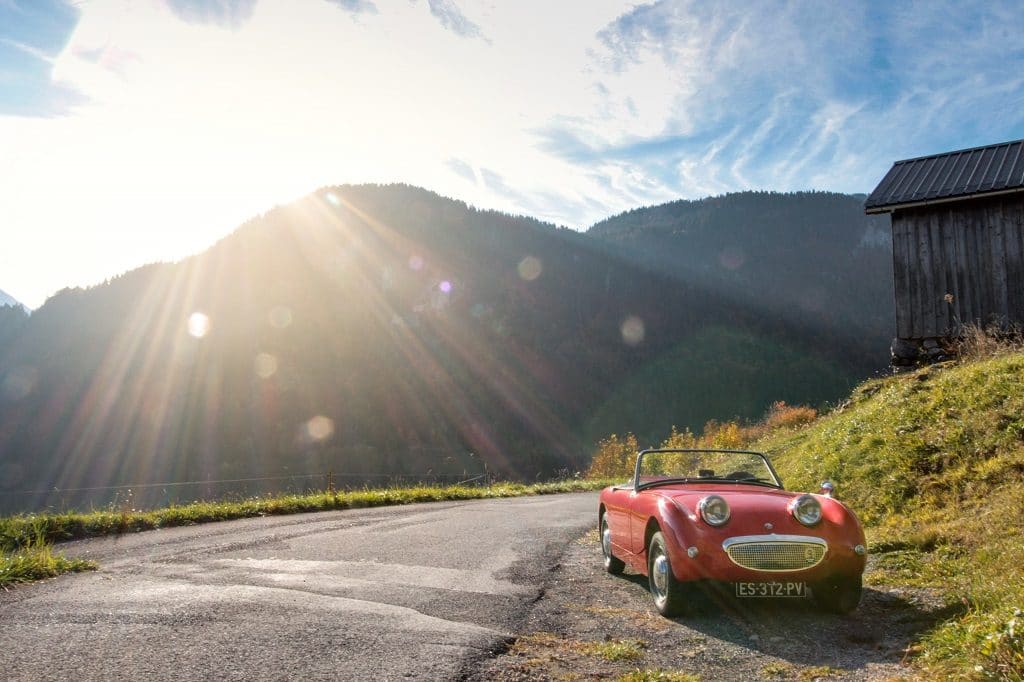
[611, 563]
[669, 594]
[838, 594]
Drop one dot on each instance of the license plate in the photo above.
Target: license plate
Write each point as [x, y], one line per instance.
[771, 589]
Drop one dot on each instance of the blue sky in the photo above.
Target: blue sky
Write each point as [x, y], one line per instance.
[143, 130]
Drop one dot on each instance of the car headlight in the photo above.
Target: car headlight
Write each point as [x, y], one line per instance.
[807, 510]
[714, 510]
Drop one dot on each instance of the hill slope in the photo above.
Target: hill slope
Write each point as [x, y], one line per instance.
[933, 463]
[811, 258]
[369, 330]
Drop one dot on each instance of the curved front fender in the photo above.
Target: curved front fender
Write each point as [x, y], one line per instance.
[680, 528]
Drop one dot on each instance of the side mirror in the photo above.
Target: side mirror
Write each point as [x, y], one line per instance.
[827, 488]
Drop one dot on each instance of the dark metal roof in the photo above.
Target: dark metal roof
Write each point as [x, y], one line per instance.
[995, 169]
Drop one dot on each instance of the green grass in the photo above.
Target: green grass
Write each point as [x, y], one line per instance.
[35, 530]
[933, 463]
[35, 560]
[612, 650]
[648, 675]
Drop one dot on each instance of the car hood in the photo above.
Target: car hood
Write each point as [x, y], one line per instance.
[754, 504]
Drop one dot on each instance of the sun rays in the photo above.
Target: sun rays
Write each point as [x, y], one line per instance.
[311, 337]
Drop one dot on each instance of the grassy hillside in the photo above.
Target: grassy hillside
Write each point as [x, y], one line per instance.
[933, 463]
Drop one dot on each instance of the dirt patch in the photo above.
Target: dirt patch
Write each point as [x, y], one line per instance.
[591, 625]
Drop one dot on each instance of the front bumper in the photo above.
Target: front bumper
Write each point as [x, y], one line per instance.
[758, 558]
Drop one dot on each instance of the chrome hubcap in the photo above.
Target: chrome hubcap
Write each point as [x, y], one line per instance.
[606, 540]
[659, 576]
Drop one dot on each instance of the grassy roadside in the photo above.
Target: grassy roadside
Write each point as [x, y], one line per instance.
[37, 561]
[933, 463]
[25, 540]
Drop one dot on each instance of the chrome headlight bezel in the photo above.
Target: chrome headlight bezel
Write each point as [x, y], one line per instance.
[714, 509]
[807, 510]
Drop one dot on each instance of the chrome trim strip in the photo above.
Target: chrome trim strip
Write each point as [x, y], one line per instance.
[744, 539]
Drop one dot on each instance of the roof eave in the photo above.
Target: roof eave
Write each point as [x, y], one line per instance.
[889, 208]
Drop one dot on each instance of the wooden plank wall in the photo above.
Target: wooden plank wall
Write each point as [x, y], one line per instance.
[973, 250]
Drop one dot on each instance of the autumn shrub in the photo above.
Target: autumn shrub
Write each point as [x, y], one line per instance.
[681, 440]
[614, 457]
[783, 416]
[723, 435]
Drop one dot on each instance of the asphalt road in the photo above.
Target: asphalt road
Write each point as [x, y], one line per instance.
[418, 592]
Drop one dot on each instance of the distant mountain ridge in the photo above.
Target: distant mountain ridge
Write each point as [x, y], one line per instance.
[377, 330]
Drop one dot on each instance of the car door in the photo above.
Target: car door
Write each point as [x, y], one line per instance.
[617, 507]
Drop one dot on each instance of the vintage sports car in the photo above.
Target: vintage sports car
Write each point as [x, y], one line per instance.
[721, 518]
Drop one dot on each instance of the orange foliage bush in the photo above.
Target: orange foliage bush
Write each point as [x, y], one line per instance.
[783, 416]
[724, 436]
[681, 441]
[615, 457]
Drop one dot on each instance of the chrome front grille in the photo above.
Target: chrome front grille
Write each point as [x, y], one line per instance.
[775, 553]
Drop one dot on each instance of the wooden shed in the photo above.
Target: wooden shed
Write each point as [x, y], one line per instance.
[958, 244]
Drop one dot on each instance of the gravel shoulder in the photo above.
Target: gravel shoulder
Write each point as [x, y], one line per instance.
[592, 625]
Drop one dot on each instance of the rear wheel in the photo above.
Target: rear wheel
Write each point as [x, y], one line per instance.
[611, 564]
[838, 594]
[669, 594]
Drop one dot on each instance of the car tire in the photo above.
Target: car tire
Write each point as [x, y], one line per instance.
[612, 564]
[839, 594]
[668, 593]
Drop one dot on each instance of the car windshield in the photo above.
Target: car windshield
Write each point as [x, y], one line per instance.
[663, 466]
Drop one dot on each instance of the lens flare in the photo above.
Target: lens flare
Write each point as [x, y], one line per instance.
[19, 383]
[265, 365]
[732, 259]
[332, 198]
[530, 268]
[280, 317]
[198, 325]
[445, 287]
[633, 331]
[319, 428]
[416, 262]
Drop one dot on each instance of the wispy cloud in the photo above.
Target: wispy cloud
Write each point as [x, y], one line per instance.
[356, 6]
[229, 14]
[797, 94]
[462, 169]
[452, 18]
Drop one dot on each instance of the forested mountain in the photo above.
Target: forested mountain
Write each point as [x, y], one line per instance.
[384, 329]
[812, 258]
[12, 320]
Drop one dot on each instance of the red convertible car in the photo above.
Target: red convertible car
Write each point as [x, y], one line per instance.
[700, 518]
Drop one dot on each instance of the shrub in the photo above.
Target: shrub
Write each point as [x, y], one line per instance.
[783, 416]
[614, 458]
[976, 343]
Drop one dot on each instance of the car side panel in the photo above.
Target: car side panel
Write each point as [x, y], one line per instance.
[616, 503]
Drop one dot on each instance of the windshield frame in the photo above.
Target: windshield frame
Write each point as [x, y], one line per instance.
[638, 486]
